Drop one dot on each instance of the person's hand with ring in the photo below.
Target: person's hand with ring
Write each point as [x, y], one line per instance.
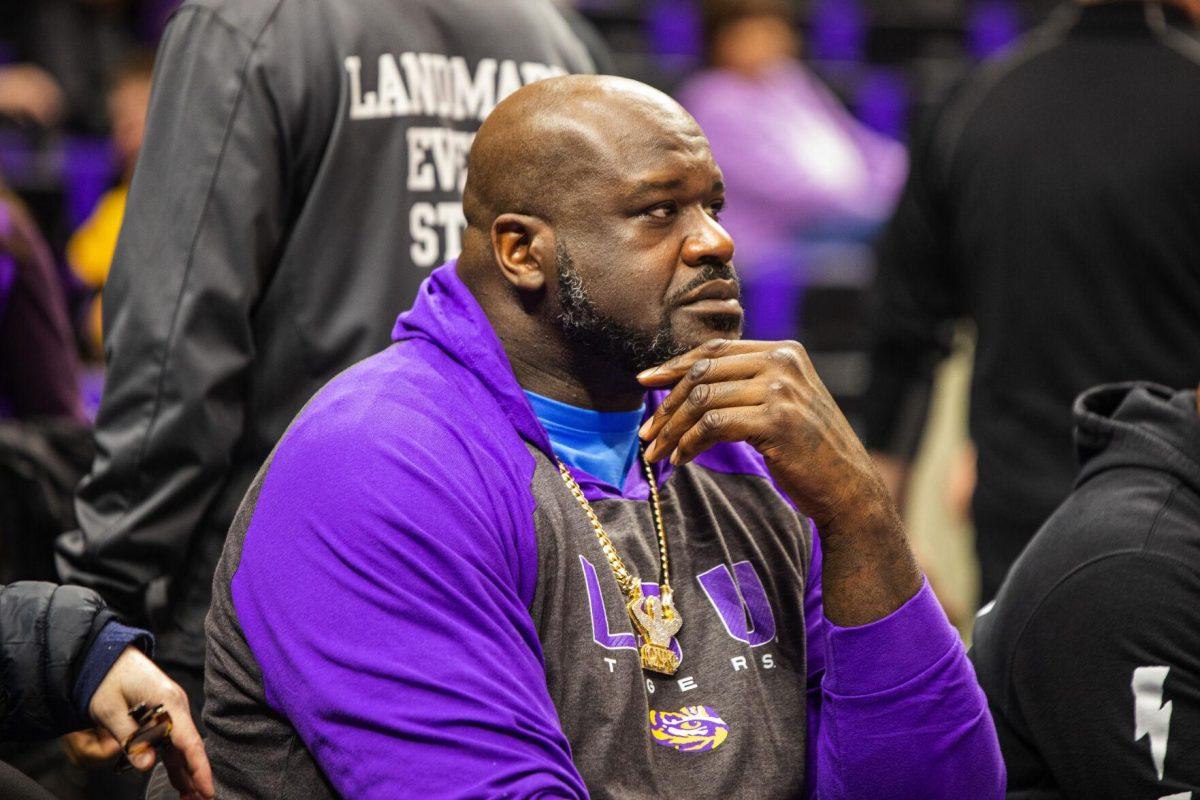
[134, 680]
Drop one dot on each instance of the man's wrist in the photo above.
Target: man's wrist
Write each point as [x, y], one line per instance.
[866, 511]
[106, 648]
[868, 569]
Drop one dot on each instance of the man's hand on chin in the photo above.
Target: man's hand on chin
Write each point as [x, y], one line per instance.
[768, 395]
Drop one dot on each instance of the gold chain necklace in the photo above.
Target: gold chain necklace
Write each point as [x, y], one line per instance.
[655, 619]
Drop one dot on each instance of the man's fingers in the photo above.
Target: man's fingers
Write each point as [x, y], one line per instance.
[672, 370]
[698, 400]
[133, 680]
[704, 371]
[179, 775]
[187, 765]
[114, 718]
[718, 425]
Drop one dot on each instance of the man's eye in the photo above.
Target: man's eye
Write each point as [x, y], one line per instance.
[660, 211]
[715, 209]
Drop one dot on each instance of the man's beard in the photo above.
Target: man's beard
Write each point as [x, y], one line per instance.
[602, 337]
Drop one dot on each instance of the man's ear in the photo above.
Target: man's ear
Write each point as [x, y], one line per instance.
[524, 249]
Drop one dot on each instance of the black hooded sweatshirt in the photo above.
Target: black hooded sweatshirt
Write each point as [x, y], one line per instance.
[1090, 656]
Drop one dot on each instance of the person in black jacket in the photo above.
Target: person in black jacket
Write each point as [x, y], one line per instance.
[1090, 656]
[301, 172]
[1055, 202]
[67, 664]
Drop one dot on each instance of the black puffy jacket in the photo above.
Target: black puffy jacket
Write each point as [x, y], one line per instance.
[45, 632]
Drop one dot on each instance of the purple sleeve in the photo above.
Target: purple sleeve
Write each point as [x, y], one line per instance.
[886, 160]
[894, 707]
[816, 628]
[383, 589]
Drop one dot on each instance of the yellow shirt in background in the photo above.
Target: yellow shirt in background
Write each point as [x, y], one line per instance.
[90, 251]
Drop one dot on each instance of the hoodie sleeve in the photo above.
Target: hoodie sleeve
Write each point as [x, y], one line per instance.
[894, 707]
[383, 589]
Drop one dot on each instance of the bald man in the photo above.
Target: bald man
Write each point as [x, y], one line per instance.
[560, 539]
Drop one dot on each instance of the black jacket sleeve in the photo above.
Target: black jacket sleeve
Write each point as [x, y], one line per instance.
[1103, 694]
[45, 634]
[204, 219]
[915, 299]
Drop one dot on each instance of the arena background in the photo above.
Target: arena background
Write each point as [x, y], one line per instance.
[888, 61]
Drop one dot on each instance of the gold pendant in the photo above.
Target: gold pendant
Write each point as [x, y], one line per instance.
[656, 620]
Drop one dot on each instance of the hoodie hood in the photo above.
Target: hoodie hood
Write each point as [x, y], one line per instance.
[447, 315]
[1139, 425]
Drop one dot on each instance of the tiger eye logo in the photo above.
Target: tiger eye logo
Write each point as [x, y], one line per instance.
[692, 729]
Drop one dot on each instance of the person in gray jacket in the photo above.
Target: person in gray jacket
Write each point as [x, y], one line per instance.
[302, 170]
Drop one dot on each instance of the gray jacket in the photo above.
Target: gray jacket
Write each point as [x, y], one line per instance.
[302, 170]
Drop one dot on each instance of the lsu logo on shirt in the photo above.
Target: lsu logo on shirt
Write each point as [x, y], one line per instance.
[738, 598]
[691, 729]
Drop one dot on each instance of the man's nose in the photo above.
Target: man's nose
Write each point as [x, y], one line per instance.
[707, 241]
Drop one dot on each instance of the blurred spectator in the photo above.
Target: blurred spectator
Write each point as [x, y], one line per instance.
[44, 442]
[796, 163]
[39, 369]
[90, 250]
[43, 439]
[302, 169]
[1055, 201]
[29, 94]
[81, 43]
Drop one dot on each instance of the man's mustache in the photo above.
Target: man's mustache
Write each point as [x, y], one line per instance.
[711, 271]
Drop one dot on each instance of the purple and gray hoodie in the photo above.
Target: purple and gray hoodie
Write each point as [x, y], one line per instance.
[412, 604]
